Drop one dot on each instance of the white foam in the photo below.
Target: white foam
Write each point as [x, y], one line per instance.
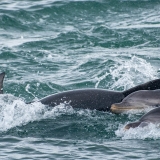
[134, 70]
[15, 112]
[59, 110]
[128, 73]
[151, 131]
[68, 110]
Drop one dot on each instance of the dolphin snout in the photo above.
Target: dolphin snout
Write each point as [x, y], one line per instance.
[124, 107]
[134, 125]
[127, 127]
[115, 108]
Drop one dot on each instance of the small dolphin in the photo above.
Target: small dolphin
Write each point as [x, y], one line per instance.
[152, 116]
[138, 100]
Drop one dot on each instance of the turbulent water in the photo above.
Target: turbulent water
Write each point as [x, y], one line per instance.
[50, 46]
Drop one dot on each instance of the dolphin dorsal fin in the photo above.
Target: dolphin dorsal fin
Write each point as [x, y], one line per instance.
[1, 82]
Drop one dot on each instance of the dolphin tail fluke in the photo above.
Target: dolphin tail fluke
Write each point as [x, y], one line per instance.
[1, 82]
[151, 85]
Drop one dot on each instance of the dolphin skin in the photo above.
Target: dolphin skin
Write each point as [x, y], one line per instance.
[99, 99]
[138, 100]
[152, 116]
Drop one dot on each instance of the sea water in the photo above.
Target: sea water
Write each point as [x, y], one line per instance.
[51, 46]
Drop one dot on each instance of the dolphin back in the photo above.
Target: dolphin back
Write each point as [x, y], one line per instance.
[1, 82]
[151, 85]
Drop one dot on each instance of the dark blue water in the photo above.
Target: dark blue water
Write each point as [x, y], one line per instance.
[50, 46]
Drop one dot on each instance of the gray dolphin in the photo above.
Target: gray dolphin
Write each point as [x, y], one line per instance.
[152, 116]
[99, 99]
[138, 100]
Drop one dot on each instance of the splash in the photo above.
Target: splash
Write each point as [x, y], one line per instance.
[15, 112]
[152, 131]
[128, 73]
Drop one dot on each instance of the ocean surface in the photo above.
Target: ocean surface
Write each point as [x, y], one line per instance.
[51, 46]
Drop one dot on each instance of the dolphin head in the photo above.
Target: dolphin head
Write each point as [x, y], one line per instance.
[137, 100]
[1, 82]
[132, 125]
[126, 106]
[137, 124]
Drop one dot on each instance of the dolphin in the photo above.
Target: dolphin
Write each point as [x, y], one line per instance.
[152, 116]
[98, 99]
[138, 100]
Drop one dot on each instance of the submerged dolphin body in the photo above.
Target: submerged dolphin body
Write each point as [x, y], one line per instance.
[138, 100]
[152, 116]
[99, 99]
